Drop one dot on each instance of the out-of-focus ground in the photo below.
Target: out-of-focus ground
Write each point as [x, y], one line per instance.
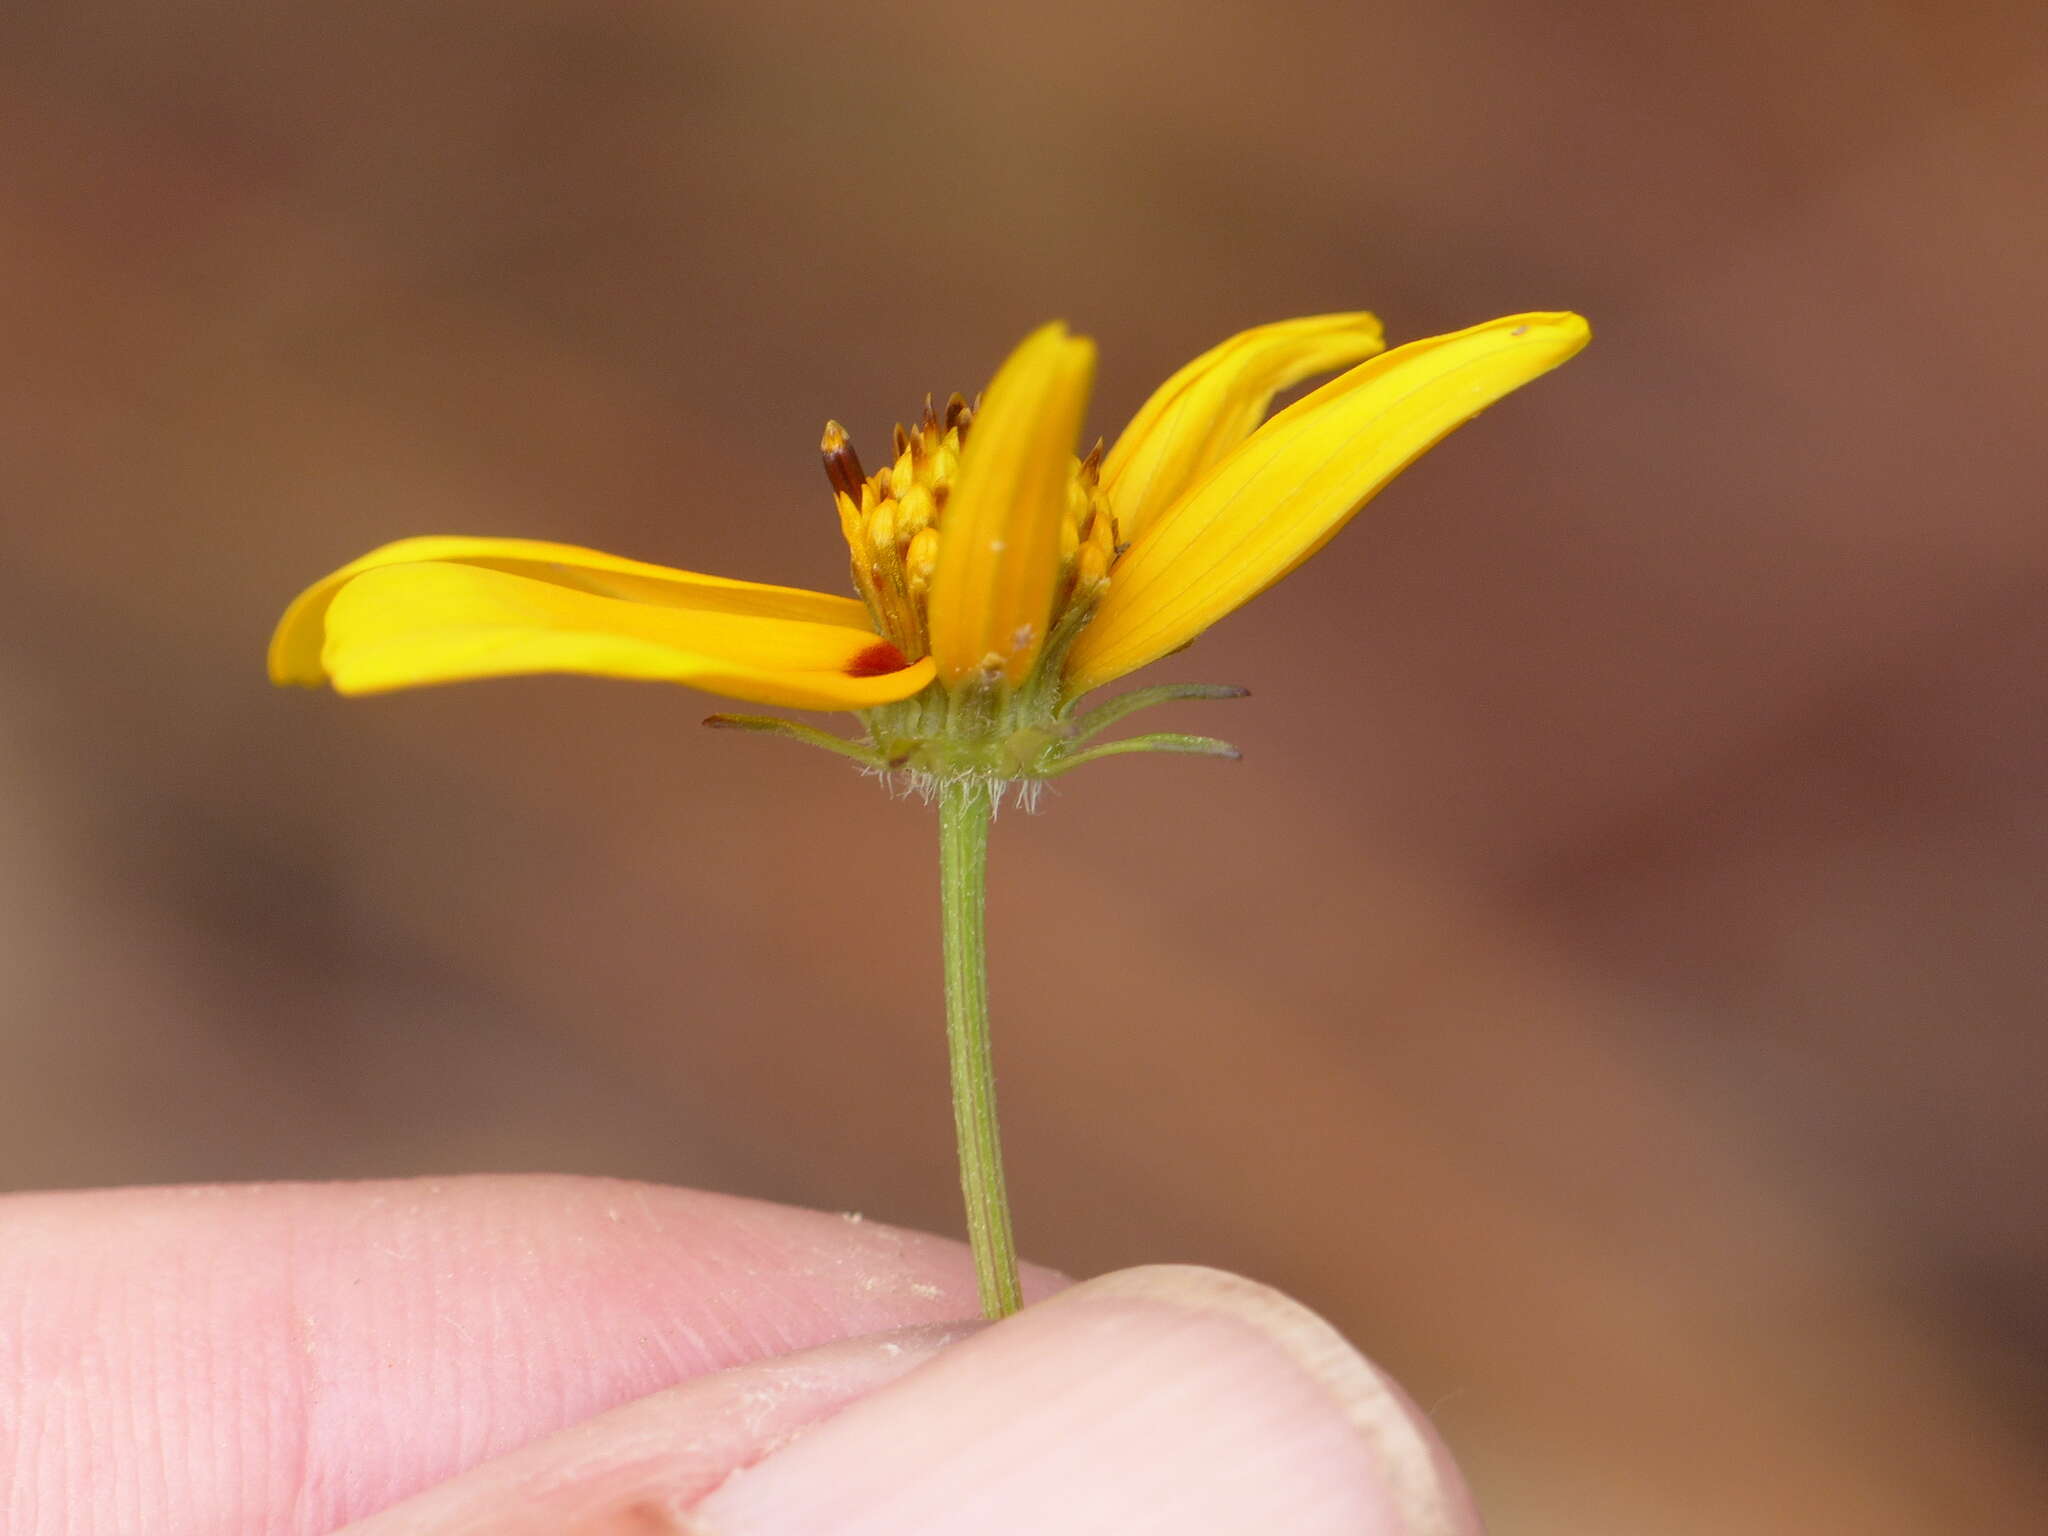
[1611, 987]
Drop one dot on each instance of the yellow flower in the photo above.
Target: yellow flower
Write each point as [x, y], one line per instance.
[1000, 576]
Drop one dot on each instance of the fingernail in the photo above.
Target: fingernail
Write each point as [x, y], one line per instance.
[1160, 1400]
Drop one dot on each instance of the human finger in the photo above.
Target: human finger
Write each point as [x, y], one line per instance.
[628, 1470]
[288, 1358]
[1163, 1400]
[1157, 1400]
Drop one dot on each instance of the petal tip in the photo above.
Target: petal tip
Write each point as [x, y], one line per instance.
[1566, 328]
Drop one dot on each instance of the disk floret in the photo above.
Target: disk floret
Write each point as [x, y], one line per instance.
[894, 520]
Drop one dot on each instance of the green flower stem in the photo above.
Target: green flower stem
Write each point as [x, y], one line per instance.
[966, 807]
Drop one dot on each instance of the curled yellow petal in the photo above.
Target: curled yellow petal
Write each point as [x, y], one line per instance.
[1287, 489]
[999, 546]
[296, 645]
[1214, 403]
[410, 625]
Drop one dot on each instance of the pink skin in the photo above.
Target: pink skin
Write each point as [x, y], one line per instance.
[589, 1358]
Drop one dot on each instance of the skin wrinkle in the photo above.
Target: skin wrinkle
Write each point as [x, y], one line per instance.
[300, 1362]
[15, 1448]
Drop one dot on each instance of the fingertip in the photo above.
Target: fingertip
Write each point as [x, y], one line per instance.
[1413, 1464]
[1168, 1399]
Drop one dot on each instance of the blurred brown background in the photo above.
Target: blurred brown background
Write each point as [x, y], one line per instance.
[1612, 985]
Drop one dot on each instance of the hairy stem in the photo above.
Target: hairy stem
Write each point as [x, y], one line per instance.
[966, 806]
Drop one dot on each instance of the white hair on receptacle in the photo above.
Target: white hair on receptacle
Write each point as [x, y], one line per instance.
[902, 783]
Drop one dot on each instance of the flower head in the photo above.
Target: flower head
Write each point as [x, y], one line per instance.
[1001, 573]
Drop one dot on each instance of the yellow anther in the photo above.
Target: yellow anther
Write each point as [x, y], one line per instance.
[920, 560]
[1102, 531]
[915, 512]
[1091, 574]
[894, 521]
[882, 528]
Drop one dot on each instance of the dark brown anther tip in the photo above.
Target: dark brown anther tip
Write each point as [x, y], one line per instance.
[956, 407]
[900, 438]
[842, 464]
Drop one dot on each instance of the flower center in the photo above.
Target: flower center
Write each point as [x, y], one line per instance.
[894, 519]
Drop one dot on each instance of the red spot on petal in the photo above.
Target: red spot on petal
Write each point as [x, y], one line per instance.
[877, 660]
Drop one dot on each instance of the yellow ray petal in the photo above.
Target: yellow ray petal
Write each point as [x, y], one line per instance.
[295, 647]
[1213, 404]
[1288, 488]
[999, 544]
[406, 626]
